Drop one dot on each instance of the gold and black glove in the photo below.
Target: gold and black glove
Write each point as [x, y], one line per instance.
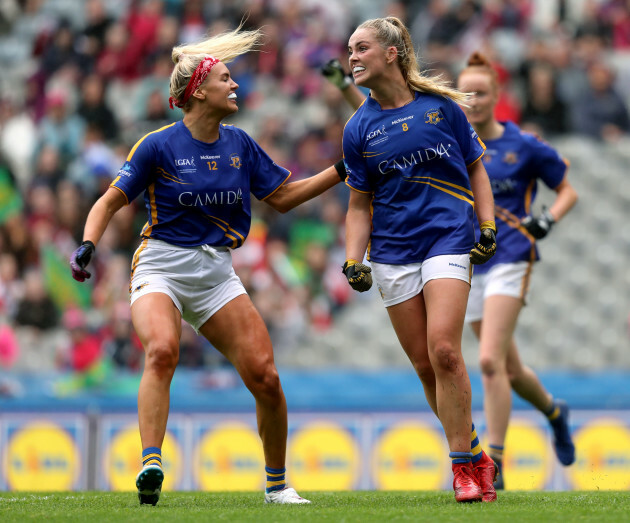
[358, 275]
[485, 248]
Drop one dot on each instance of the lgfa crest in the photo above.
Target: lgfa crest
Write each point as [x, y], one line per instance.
[433, 116]
[235, 161]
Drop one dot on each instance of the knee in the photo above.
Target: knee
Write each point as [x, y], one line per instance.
[490, 366]
[264, 383]
[161, 356]
[446, 359]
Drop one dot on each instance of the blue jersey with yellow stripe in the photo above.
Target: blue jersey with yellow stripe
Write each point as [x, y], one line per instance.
[195, 192]
[413, 160]
[515, 162]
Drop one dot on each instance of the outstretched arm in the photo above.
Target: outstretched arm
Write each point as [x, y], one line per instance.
[98, 218]
[290, 195]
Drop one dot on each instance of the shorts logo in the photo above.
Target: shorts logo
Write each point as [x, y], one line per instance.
[433, 116]
[235, 161]
[140, 287]
[451, 264]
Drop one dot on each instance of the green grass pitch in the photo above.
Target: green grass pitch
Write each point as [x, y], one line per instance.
[357, 506]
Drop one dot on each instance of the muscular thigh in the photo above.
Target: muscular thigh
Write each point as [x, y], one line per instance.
[446, 300]
[239, 333]
[500, 314]
[155, 317]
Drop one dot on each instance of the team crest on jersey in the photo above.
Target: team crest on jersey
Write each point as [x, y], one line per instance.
[433, 116]
[510, 157]
[235, 161]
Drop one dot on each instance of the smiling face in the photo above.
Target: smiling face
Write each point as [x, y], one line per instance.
[484, 98]
[219, 91]
[367, 58]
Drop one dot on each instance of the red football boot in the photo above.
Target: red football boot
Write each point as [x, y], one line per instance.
[465, 483]
[486, 471]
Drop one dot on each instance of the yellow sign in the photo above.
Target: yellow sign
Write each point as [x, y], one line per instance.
[123, 459]
[323, 456]
[603, 456]
[527, 457]
[42, 456]
[230, 457]
[411, 456]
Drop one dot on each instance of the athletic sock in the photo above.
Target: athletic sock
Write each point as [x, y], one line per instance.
[275, 479]
[460, 457]
[152, 456]
[553, 412]
[496, 452]
[475, 447]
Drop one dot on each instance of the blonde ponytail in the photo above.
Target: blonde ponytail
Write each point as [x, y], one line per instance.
[225, 46]
[390, 32]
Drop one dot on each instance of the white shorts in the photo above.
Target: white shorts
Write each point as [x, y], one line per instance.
[398, 283]
[199, 280]
[505, 279]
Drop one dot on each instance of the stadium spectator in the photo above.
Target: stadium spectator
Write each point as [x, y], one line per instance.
[93, 107]
[420, 232]
[200, 174]
[544, 113]
[601, 112]
[514, 160]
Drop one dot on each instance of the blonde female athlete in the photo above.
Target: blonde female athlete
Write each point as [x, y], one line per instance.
[413, 166]
[197, 176]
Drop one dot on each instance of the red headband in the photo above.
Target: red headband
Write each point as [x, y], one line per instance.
[197, 78]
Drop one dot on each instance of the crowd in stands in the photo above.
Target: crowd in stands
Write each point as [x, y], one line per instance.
[83, 81]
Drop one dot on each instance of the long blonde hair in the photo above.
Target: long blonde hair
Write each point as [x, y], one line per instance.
[225, 46]
[390, 32]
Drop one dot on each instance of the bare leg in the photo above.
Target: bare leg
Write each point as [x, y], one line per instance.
[429, 327]
[158, 325]
[525, 382]
[446, 301]
[238, 331]
[413, 339]
[497, 328]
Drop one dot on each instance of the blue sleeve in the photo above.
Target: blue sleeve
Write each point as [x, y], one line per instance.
[547, 164]
[138, 171]
[469, 142]
[356, 167]
[266, 176]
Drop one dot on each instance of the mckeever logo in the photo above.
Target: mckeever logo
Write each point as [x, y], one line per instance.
[451, 264]
[420, 156]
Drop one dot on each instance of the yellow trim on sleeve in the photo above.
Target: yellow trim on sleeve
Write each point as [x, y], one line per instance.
[133, 149]
[273, 192]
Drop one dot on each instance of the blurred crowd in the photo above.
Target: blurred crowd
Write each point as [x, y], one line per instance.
[83, 81]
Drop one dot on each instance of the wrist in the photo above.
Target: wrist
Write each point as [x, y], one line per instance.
[549, 217]
[488, 224]
[89, 243]
[345, 83]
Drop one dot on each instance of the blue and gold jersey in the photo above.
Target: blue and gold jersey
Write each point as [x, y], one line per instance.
[515, 162]
[413, 161]
[195, 192]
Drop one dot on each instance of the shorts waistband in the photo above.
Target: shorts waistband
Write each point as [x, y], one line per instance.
[160, 244]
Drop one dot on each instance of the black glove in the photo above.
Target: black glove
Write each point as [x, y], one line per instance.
[79, 260]
[358, 275]
[340, 167]
[539, 227]
[334, 73]
[485, 248]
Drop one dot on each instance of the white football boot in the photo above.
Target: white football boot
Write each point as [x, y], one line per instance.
[286, 496]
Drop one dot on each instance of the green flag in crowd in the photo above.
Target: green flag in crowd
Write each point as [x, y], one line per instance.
[62, 287]
[10, 200]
